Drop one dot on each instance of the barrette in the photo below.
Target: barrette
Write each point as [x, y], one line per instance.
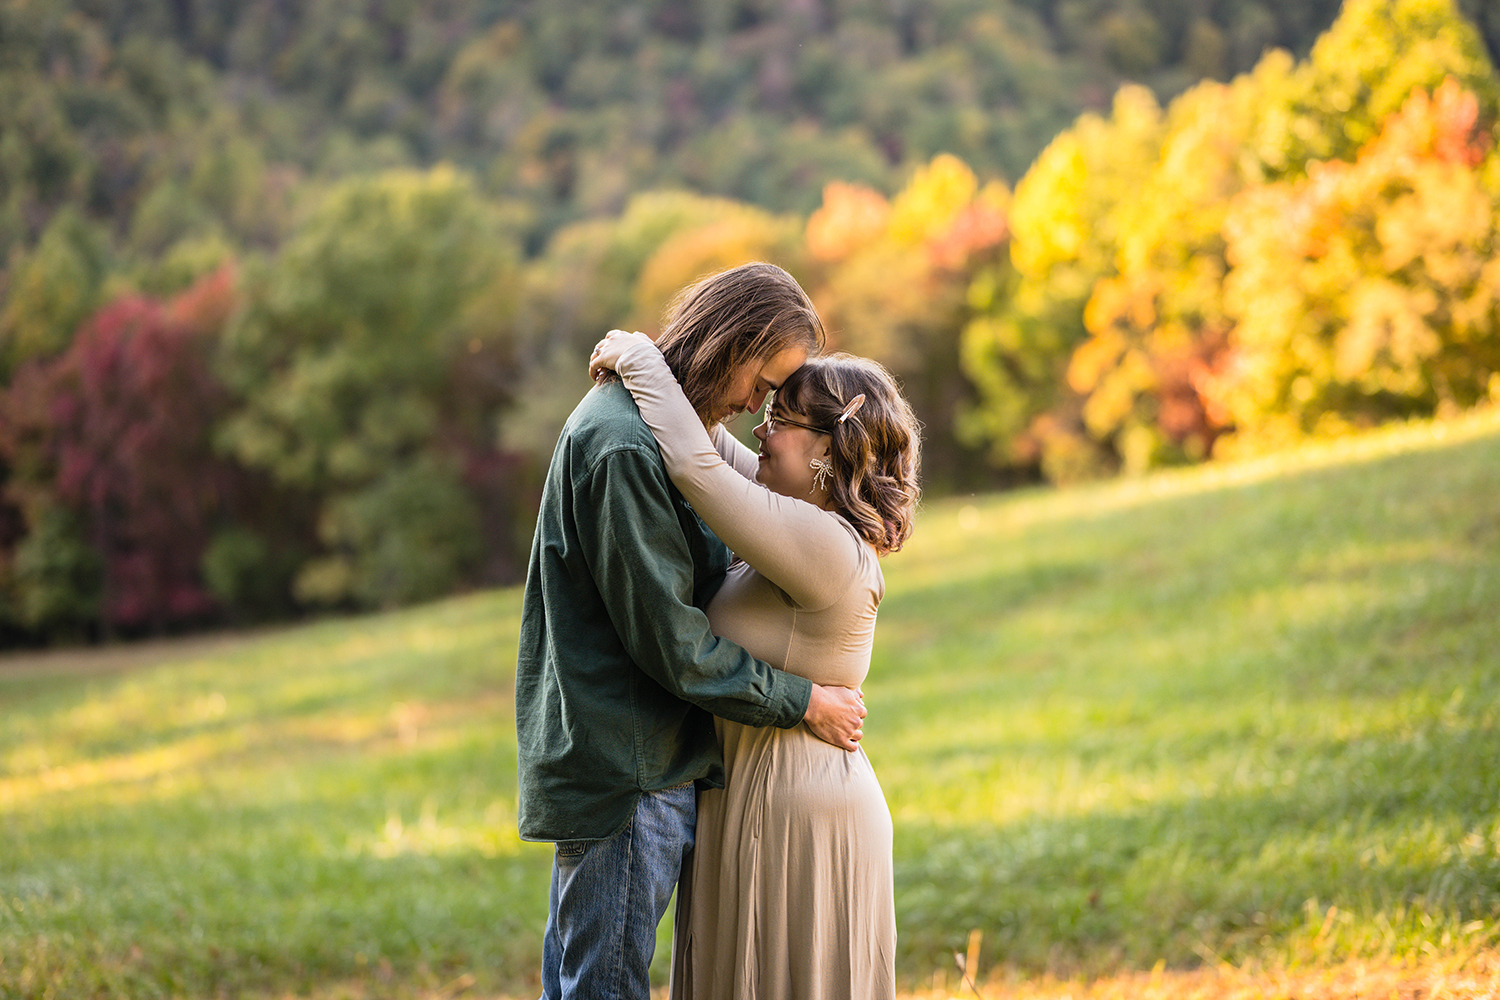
[852, 408]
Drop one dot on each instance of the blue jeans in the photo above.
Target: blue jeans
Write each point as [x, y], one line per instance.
[607, 898]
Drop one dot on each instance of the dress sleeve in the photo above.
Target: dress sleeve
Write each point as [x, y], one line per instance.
[809, 553]
[648, 600]
[732, 450]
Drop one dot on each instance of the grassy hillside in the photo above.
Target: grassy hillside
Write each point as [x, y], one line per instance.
[1244, 714]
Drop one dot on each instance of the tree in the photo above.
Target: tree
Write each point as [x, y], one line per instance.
[735, 235]
[52, 290]
[1119, 246]
[1158, 324]
[1361, 71]
[584, 284]
[1064, 237]
[342, 362]
[891, 284]
[1368, 290]
[110, 451]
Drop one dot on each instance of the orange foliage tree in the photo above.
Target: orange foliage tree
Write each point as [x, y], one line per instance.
[890, 279]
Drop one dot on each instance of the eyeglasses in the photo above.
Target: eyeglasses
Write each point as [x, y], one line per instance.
[773, 418]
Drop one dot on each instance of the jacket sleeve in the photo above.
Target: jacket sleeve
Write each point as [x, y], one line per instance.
[808, 552]
[641, 560]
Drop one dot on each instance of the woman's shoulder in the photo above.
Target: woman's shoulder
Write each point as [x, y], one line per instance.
[865, 561]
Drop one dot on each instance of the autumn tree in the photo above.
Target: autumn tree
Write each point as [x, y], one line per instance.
[1156, 323]
[1117, 321]
[589, 280]
[1367, 290]
[1361, 71]
[111, 458]
[891, 281]
[1029, 310]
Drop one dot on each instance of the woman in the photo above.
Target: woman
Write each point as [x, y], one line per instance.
[789, 891]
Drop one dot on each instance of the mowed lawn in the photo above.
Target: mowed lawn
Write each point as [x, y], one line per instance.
[1239, 720]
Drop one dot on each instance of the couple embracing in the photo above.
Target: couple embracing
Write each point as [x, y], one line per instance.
[698, 619]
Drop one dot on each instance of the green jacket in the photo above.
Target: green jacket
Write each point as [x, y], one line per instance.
[618, 675]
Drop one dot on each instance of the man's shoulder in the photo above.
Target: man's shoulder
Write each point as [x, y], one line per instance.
[607, 420]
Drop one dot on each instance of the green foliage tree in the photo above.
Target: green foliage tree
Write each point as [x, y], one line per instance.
[52, 289]
[53, 582]
[342, 361]
[571, 107]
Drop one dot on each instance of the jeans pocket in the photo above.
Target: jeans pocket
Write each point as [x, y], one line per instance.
[571, 851]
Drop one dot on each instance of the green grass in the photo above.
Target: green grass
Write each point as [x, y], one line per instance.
[1245, 714]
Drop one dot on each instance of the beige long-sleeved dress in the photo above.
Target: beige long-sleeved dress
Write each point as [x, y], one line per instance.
[789, 893]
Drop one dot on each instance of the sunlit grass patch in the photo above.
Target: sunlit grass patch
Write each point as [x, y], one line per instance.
[1163, 715]
[321, 803]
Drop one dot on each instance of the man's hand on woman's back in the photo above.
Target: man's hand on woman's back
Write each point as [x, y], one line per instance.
[836, 715]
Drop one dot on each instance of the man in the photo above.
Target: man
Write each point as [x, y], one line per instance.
[618, 676]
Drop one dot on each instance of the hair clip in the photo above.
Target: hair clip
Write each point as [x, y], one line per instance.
[852, 408]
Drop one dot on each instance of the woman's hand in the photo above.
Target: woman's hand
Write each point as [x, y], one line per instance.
[607, 352]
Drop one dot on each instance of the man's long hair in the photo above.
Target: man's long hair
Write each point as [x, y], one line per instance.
[746, 314]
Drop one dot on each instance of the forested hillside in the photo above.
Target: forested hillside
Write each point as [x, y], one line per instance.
[154, 117]
[293, 296]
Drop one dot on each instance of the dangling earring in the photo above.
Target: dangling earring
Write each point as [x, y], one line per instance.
[821, 471]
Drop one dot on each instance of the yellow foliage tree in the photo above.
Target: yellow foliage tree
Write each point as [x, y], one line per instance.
[1367, 290]
[1361, 71]
[1028, 312]
[1157, 324]
[1111, 343]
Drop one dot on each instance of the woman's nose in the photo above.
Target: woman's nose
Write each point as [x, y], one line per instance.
[756, 399]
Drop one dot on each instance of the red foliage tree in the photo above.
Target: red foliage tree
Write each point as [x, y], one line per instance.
[117, 430]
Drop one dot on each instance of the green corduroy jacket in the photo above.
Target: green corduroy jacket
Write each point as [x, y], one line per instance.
[617, 674]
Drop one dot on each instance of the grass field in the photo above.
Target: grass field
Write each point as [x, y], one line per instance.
[1232, 731]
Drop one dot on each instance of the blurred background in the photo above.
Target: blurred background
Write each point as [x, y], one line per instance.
[294, 297]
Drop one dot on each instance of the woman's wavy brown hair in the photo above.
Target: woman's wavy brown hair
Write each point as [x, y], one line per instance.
[746, 314]
[876, 451]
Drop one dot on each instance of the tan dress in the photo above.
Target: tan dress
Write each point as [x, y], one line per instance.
[789, 893]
